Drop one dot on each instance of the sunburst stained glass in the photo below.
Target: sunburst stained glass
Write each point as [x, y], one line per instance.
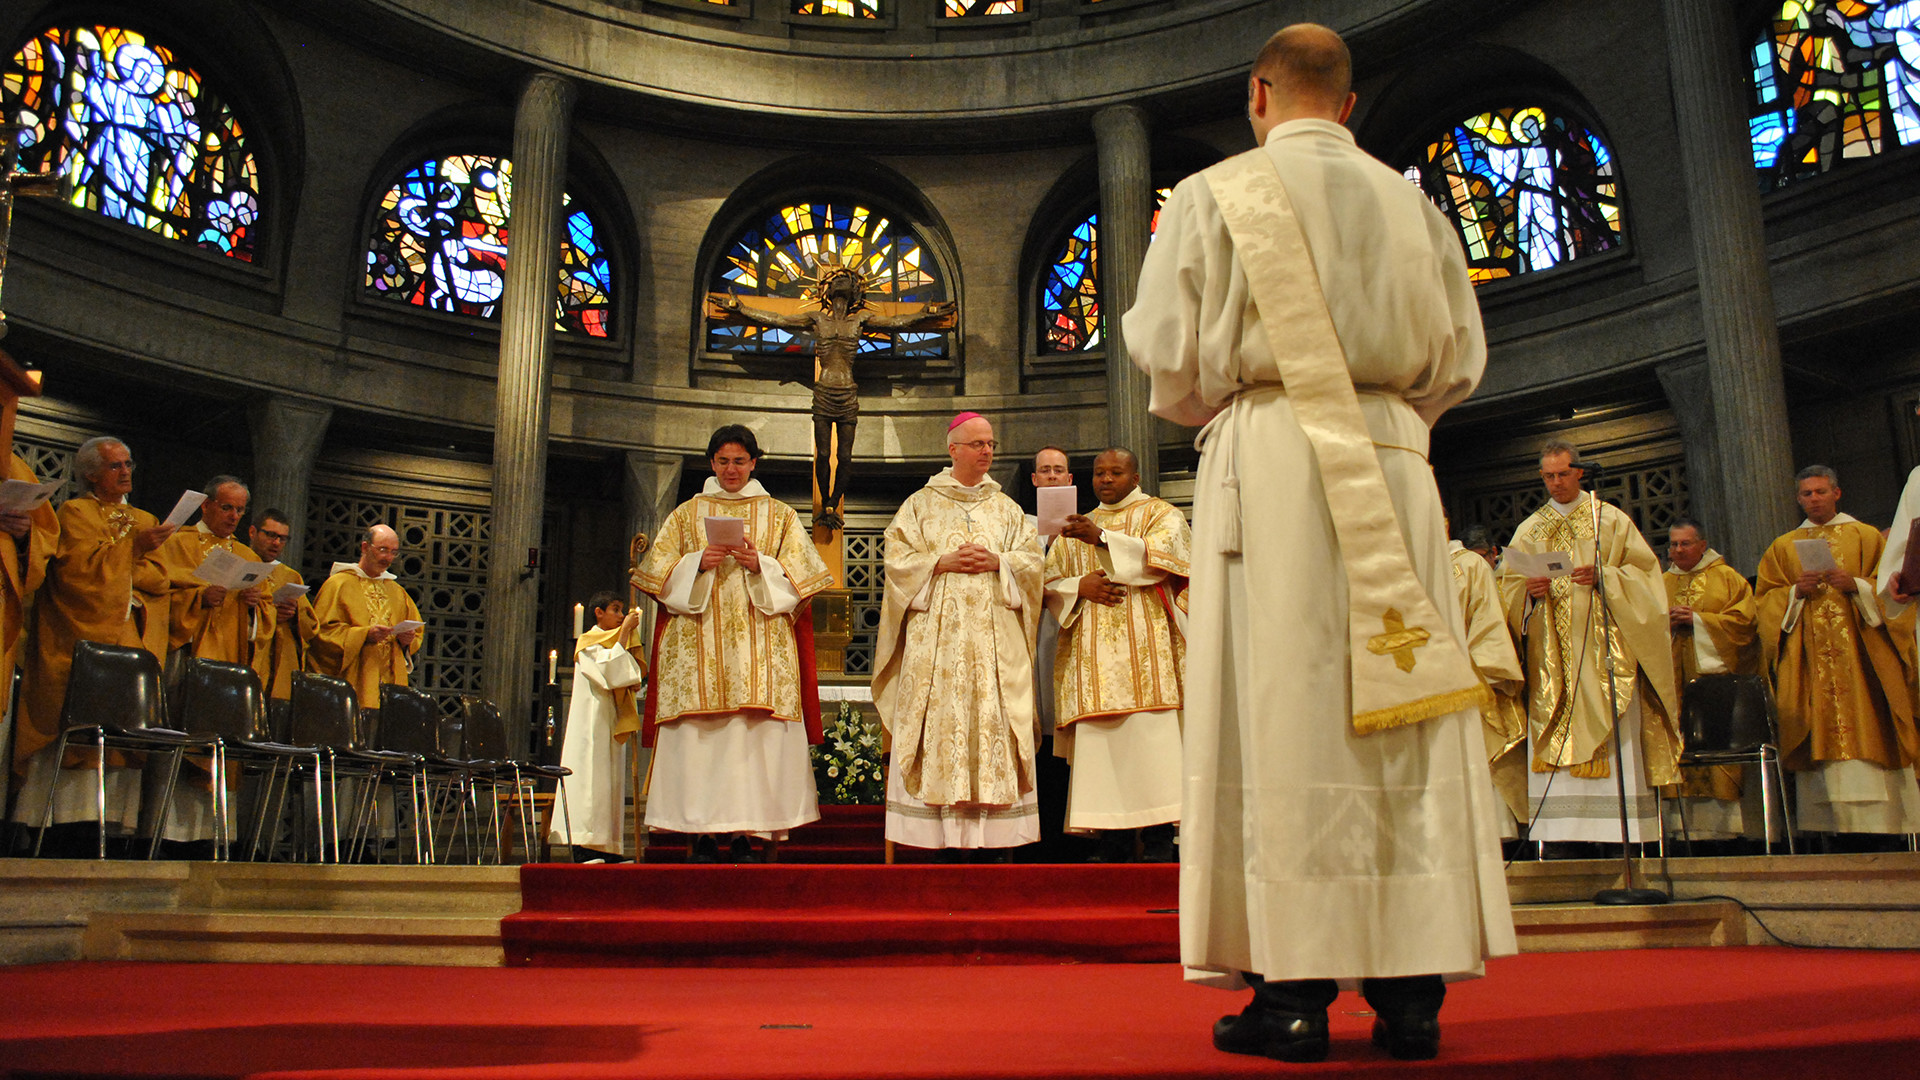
[140, 136]
[1833, 79]
[960, 9]
[440, 242]
[1526, 187]
[1070, 293]
[779, 256]
[846, 9]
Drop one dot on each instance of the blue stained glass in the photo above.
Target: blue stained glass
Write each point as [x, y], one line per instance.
[1833, 80]
[139, 135]
[1527, 189]
[1069, 314]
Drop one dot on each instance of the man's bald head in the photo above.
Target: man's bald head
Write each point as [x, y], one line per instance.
[1304, 71]
[378, 549]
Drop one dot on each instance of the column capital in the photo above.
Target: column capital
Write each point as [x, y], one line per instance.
[549, 89]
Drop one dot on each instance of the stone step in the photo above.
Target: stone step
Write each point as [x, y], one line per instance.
[294, 937]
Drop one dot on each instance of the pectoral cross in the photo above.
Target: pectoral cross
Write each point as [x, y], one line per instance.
[50, 184]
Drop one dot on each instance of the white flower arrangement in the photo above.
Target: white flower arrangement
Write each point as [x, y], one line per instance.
[847, 766]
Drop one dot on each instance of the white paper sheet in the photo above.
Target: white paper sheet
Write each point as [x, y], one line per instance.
[1815, 556]
[1546, 564]
[292, 590]
[229, 571]
[726, 532]
[20, 497]
[182, 510]
[405, 625]
[1054, 506]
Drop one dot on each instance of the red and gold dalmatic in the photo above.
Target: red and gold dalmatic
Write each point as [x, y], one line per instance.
[731, 656]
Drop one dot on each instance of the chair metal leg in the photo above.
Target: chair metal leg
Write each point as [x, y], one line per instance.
[166, 801]
[566, 815]
[100, 792]
[46, 816]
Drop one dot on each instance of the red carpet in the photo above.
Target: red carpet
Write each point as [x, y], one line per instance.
[1737, 1014]
[788, 915]
[844, 834]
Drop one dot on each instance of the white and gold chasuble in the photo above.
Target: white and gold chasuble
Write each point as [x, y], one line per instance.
[953, 670]
[1128, 658]
[1400, 871]
[728, 644]
[1569, 721]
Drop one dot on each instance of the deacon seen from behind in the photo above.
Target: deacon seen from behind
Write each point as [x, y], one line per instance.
[953, 664]
[1117, 579]
[601, 723]
[732, 706]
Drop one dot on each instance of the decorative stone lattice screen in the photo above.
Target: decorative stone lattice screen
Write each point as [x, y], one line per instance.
[866, 580]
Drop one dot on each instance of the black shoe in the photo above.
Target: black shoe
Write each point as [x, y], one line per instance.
[1413, 1038]
[1157, 844]
[740, 850]
[1282, 1036]
[705, 850]
[1111, 846]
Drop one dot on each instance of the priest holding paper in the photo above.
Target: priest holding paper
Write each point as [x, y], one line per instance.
[104, 583]
[1712, 616]
[601, 724]
[733, 704]
[1313, 311]
[1117, 579]
[366, 628]
[293, 623]
[209, 616]
[1846, 708]
[953, 662]
[1567, 631]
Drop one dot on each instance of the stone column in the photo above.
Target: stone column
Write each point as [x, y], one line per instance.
[1126, 218]
[649, 490]
[1686, 383]
[287, 433]
[524, 392]
[1707, 56]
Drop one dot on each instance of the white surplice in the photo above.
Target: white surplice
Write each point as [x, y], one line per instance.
[1308, 851]
[596, 793]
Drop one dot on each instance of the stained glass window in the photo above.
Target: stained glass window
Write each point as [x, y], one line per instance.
[140, 136]
[781, 255]
[440, 242]
[1527, 188]
[1833, 79]
[1070, 293]
[960, 9]
[846, 9]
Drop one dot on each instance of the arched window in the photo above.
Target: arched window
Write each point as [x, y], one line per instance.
[1833, 79]
[779, 256]
[846, 9]
[440, 242]
[1528, 188]
[140, 136]
[961, 9]
[1070, 290]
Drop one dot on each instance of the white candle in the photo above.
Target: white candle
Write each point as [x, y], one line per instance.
[553, 666]
[579, 619]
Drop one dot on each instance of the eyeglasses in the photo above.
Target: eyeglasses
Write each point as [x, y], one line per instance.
[981, 445]
[280, 536]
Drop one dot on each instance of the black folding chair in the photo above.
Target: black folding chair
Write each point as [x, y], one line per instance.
[326, 714]
[225, 703]
[1729, 719]
[116, 699]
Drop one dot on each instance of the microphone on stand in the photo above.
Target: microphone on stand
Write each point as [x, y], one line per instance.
[1590, 475]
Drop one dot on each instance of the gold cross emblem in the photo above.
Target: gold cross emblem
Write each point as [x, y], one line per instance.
[1397, 638]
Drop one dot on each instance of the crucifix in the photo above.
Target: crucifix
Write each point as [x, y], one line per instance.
[16, 383]
[836, 311]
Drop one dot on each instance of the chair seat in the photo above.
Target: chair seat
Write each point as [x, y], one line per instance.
[382, 757]
[153, 734]
[277, 749]
[1725, 757]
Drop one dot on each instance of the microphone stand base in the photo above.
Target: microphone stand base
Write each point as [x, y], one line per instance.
[1630, 897]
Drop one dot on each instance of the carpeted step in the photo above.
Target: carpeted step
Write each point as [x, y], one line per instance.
[803, 915]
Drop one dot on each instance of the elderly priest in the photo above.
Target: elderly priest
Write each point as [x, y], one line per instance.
[361, 632]
[953, 664]
[1712, 617]
[1846, 707]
